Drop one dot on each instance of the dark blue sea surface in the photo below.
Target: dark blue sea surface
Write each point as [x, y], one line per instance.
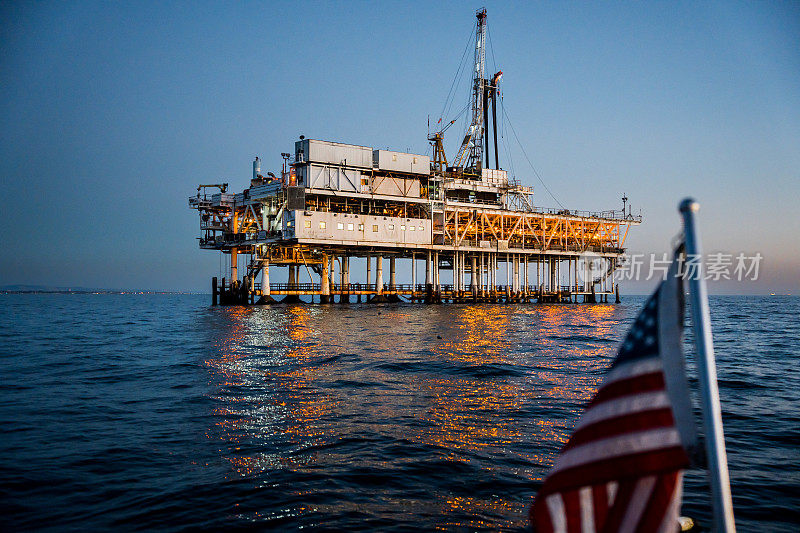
[161, 412]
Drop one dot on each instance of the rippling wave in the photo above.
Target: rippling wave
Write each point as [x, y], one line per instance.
[159, 412]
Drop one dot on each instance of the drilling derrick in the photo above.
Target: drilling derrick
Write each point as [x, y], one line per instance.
[470, 155]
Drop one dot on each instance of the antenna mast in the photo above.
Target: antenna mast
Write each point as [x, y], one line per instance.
[470, 155]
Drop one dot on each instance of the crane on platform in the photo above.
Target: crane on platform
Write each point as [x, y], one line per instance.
[437, 141]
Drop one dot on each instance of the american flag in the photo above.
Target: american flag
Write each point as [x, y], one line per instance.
[621, 469]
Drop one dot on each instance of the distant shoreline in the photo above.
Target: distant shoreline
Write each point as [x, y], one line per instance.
[89, 291]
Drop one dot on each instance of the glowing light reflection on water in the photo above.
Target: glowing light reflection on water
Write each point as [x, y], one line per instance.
[409, 394]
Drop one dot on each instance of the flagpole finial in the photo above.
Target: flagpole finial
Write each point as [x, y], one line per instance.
[689, 205]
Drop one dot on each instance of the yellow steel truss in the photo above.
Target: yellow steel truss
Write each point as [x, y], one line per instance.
[464, 227]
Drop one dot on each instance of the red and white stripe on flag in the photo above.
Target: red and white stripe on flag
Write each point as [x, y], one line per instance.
[621, 469]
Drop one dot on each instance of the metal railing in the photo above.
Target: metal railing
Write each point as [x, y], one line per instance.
[609, 214]
[354, 287]
[294, 286]
[606, 215]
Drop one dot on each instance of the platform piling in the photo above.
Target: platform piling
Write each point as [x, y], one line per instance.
[325, 281]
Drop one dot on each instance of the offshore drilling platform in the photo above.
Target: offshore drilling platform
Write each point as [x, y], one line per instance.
[463, 220]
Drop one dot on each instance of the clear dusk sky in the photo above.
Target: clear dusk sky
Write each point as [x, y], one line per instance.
[112, 113]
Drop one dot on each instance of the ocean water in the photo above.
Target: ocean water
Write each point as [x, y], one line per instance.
[159, 412]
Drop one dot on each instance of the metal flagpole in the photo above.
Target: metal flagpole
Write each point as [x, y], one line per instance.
[707, 369]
